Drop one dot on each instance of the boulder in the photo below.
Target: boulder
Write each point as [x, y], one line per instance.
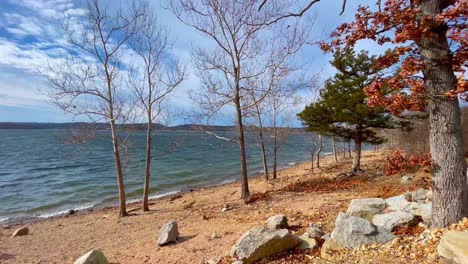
[394, 219]
[21, 231]
[308, 242]
[260, 242]
[169, 233]
[366, 208]
[424, 210]
[92, 257]
[352, 232]
[277, 222]
[329, 246]
[453, 247]
[397, 203]
[419, 195]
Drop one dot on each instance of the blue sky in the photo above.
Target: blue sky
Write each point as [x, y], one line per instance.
[30, 37]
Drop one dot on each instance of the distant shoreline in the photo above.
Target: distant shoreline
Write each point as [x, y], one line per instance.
[135, 126]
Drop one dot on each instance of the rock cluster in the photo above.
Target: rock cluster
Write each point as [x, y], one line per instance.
[371, 220]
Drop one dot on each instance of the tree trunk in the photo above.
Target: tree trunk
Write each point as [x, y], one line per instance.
[312, 161]
[245, 193]
[334, 150]
[148, 164]
[318, 151]
[118, 166]
[262, 148]
[349, 149]
[450, 200]
[275, 156]
[357, 155]
[344, 149]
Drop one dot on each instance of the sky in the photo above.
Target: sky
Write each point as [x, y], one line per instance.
[31, 37]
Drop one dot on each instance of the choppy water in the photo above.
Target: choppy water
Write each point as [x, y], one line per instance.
[40, 176]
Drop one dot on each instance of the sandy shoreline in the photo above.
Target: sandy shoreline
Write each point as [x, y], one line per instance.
[133, 239]
[134, 202]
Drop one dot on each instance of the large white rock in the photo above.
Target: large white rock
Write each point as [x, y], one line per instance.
[453, 247]
[92, 257]
[366, 208]
[277, 222]
[169, 233]
[260, 242]
[397, 203]
[391, 220]
[424, 210]
[352, 232]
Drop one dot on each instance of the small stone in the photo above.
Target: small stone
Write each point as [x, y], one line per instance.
[225, 209]
[419, 195]
[21, 231]
[92, 257]
[308, 242]
[314, 231]
[405, 179]
[169, 233]
[214, 235]
[277, 222]
[238, 262]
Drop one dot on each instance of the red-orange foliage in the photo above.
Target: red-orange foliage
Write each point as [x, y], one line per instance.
[396, 162]
[401, 23]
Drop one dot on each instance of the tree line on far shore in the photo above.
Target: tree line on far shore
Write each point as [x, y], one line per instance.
[124, 68]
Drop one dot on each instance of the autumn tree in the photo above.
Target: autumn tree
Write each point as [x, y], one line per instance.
[342, 110]
[89, 82]
[154, 77]
[429, 41]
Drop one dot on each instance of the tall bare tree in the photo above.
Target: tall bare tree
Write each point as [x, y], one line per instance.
[89, 81]
[153, 79]
[284, 46]
[238, 32]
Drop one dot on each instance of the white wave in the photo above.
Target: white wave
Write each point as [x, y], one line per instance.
[291, 163]
[55, 213]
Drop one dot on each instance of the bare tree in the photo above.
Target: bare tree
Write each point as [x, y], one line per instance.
[153, 79]
[283, 47]
[334, 149]
[89, 81]
[238, 31]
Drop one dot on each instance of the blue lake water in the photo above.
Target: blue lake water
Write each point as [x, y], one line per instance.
[41, 176]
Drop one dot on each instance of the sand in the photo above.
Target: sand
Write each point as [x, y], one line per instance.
[133, 239]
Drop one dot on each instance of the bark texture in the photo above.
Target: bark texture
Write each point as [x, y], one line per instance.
[357, 155]
[446, 140]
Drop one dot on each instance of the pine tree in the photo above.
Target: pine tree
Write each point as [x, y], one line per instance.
[342, 109]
